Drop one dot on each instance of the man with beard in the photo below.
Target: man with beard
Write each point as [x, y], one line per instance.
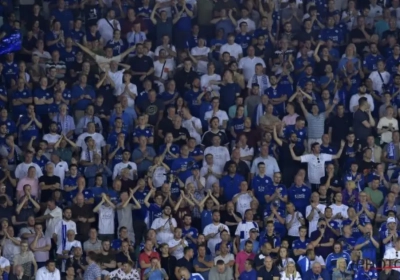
[289, 166]
[213, 230]
[63, 226]
[106, 258]
[362, 92]
[164, 226]
[78, 262]
[193, 96]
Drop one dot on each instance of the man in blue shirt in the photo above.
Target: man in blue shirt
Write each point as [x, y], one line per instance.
[261, 183]
[82, 96]
[331, 33]
[230, 183]
[30, 125]
[368, 244]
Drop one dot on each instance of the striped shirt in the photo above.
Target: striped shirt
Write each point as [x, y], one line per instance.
[316, 125]
[92, 272]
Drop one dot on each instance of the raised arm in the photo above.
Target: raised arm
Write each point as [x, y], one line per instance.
[293, 154]
[86, 50]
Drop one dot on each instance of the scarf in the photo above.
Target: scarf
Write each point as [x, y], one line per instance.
[264, 83]
[387, 208]
[62, 125]
[63, 235]
[89, 158]
[391, 154]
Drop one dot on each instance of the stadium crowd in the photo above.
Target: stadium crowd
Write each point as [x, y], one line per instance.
[200, 140]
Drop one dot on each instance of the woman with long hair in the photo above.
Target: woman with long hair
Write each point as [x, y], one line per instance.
[290, 273]
[283, 259]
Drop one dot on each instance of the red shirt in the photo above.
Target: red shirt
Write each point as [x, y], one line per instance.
[146, 258]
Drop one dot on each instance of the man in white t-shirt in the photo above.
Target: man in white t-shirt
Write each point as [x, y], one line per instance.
[107, 25]
[234, 50]
[97, 137]
[339, 210]
[314, 212]
[316, 162]
[212, 231]
[164, 226]
[22, 169]
[64, 225]
[216, 112]
[52, 216]
[127, 89]
[192, 124]
[125, 164]
[52, 137]
[248, 63]
[220, 153]
[177, 244]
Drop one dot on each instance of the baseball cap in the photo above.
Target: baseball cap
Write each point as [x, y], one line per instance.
[391, 220]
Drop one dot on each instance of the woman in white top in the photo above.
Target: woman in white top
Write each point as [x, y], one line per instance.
[200, 53]
[387, 125]
[290, 272]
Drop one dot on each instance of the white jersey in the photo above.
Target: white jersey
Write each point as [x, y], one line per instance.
[243, 229]
[106, 219]
[216, 237]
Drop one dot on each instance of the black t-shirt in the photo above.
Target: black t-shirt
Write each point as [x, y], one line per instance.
[365, 167]
[225, 217]
[265, 274]
[395, 33]
[7, 212]
[165, 125]
[106, 259]
[208, 136]
[140, 64]
[121, 258]
[169, 264]
[183, 78]
[152, 109]
[303, 36]
[321, 65]
[360, 130]
[358, 34]
[185, 263]
[176, 133]
[286, 157]
[92, 14]
[340, 128]
[48, 180]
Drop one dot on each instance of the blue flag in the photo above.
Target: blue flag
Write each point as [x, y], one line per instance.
[11, 43]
